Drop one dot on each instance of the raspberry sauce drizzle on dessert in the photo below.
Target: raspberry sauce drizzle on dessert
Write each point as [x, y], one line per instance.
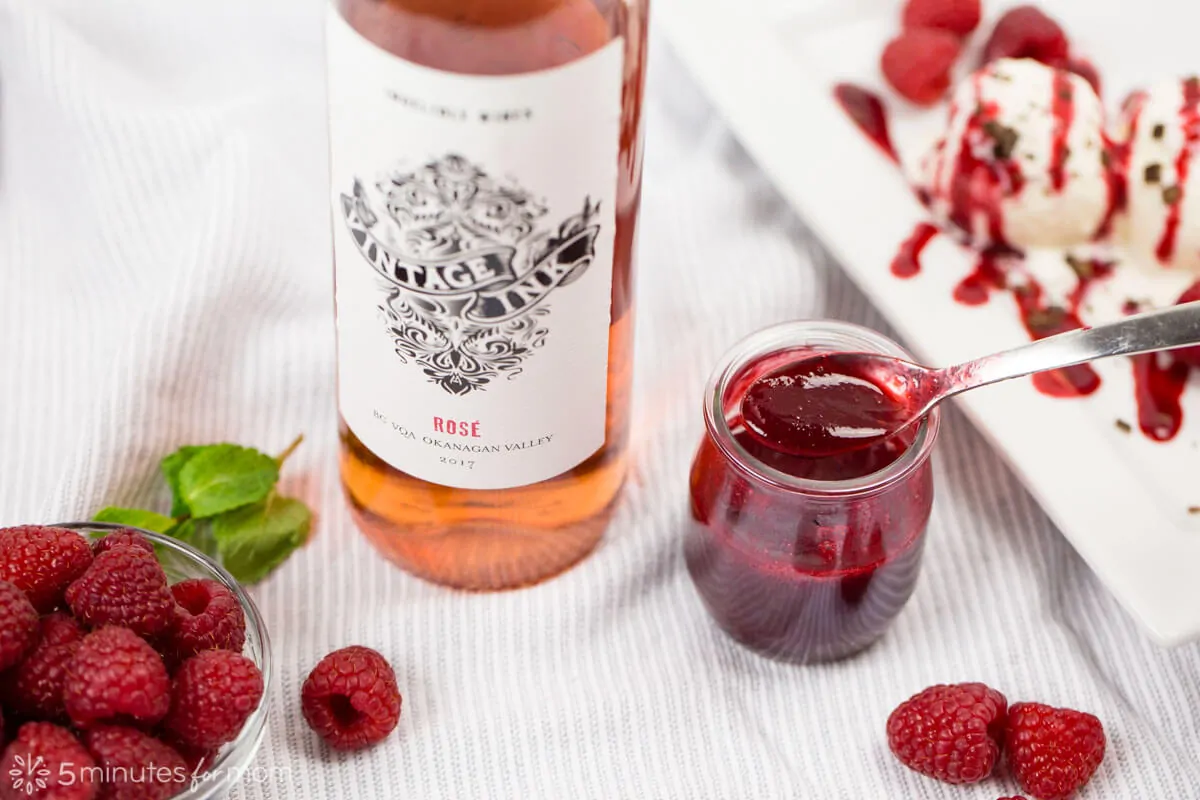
[1118, 164]
[1063, 109]
[1173, 196]
[866, 110]
[907, 262]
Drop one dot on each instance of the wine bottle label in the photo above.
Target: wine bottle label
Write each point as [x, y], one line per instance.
[473, 240]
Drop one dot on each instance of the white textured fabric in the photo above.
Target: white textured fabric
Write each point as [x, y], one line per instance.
[165, 279]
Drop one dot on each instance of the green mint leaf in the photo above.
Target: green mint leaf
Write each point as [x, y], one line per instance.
[256, 539]
[224, 477]
[197, 533]
[171, 466]
[135, 517]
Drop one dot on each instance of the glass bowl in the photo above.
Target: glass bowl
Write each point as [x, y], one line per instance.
[181, 562]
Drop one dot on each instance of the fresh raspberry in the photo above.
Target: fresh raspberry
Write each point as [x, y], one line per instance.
[61, 628]
[198, 760]
[116, 676]
[125, 536]
[1026, 32]
[34, 688]
[136, 766]
[952, 733]
[18, 625]
[351, 699]
[42, 562]
[67, 771]
[917, 64]
[209, 618]
[213, 693]
[125, 586]
[1053, 751]
[959, 17]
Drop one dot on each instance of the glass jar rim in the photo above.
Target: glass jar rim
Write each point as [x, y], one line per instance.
[830, 335]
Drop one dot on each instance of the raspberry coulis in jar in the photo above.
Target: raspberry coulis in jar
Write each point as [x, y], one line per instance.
[804, 559]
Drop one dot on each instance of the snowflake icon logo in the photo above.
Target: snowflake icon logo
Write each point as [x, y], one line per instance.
[29, 774]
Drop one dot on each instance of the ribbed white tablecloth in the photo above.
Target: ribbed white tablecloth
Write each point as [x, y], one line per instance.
[165, 279]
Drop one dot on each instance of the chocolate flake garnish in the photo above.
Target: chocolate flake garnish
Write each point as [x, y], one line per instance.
[1159, 131]
[1194, 509]
[1123, 426]
[1084, 268]
[1171, 195]
[1153, 173]
[1005, 138]
[1050, 318]
[1106, 158]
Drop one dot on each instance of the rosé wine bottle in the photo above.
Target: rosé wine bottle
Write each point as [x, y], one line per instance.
[486, 166]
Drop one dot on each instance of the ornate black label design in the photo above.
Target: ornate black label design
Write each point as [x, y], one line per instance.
[467, 268]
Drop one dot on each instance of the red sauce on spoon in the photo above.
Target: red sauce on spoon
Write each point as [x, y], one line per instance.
[830, 404]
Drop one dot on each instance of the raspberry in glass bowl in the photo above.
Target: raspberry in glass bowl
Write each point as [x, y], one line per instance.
[212, 772]
[804, 559]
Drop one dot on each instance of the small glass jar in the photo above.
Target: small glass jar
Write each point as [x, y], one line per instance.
[804, 560]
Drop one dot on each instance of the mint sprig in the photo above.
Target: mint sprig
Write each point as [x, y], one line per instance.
[135, 517]
[224, 503]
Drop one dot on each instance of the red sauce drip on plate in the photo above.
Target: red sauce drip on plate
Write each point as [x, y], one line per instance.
[988, 276]
[1042, 320]
[1190, 117]
[1062, 107]
[1159, 381]
[907, 262]
[867, 111]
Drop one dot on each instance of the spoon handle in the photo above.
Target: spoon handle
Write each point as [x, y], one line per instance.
[1178, 326]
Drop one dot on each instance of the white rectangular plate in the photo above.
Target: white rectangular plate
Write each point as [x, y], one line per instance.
[770, 66]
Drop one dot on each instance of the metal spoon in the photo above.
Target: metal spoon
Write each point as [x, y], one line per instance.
[831, 403]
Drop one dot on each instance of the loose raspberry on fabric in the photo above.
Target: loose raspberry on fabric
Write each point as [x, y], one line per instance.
[34, 689]
[135, 765]
[67, 771]
[124, 537]
[917, 64]
[115, 676]
[124, 586]
[213, 693]
[1053, 752]
[209, 617]
[959, 17]
[953, 733]
[42, 562]
[18, 625]
[1026, 32]
[351, 699]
